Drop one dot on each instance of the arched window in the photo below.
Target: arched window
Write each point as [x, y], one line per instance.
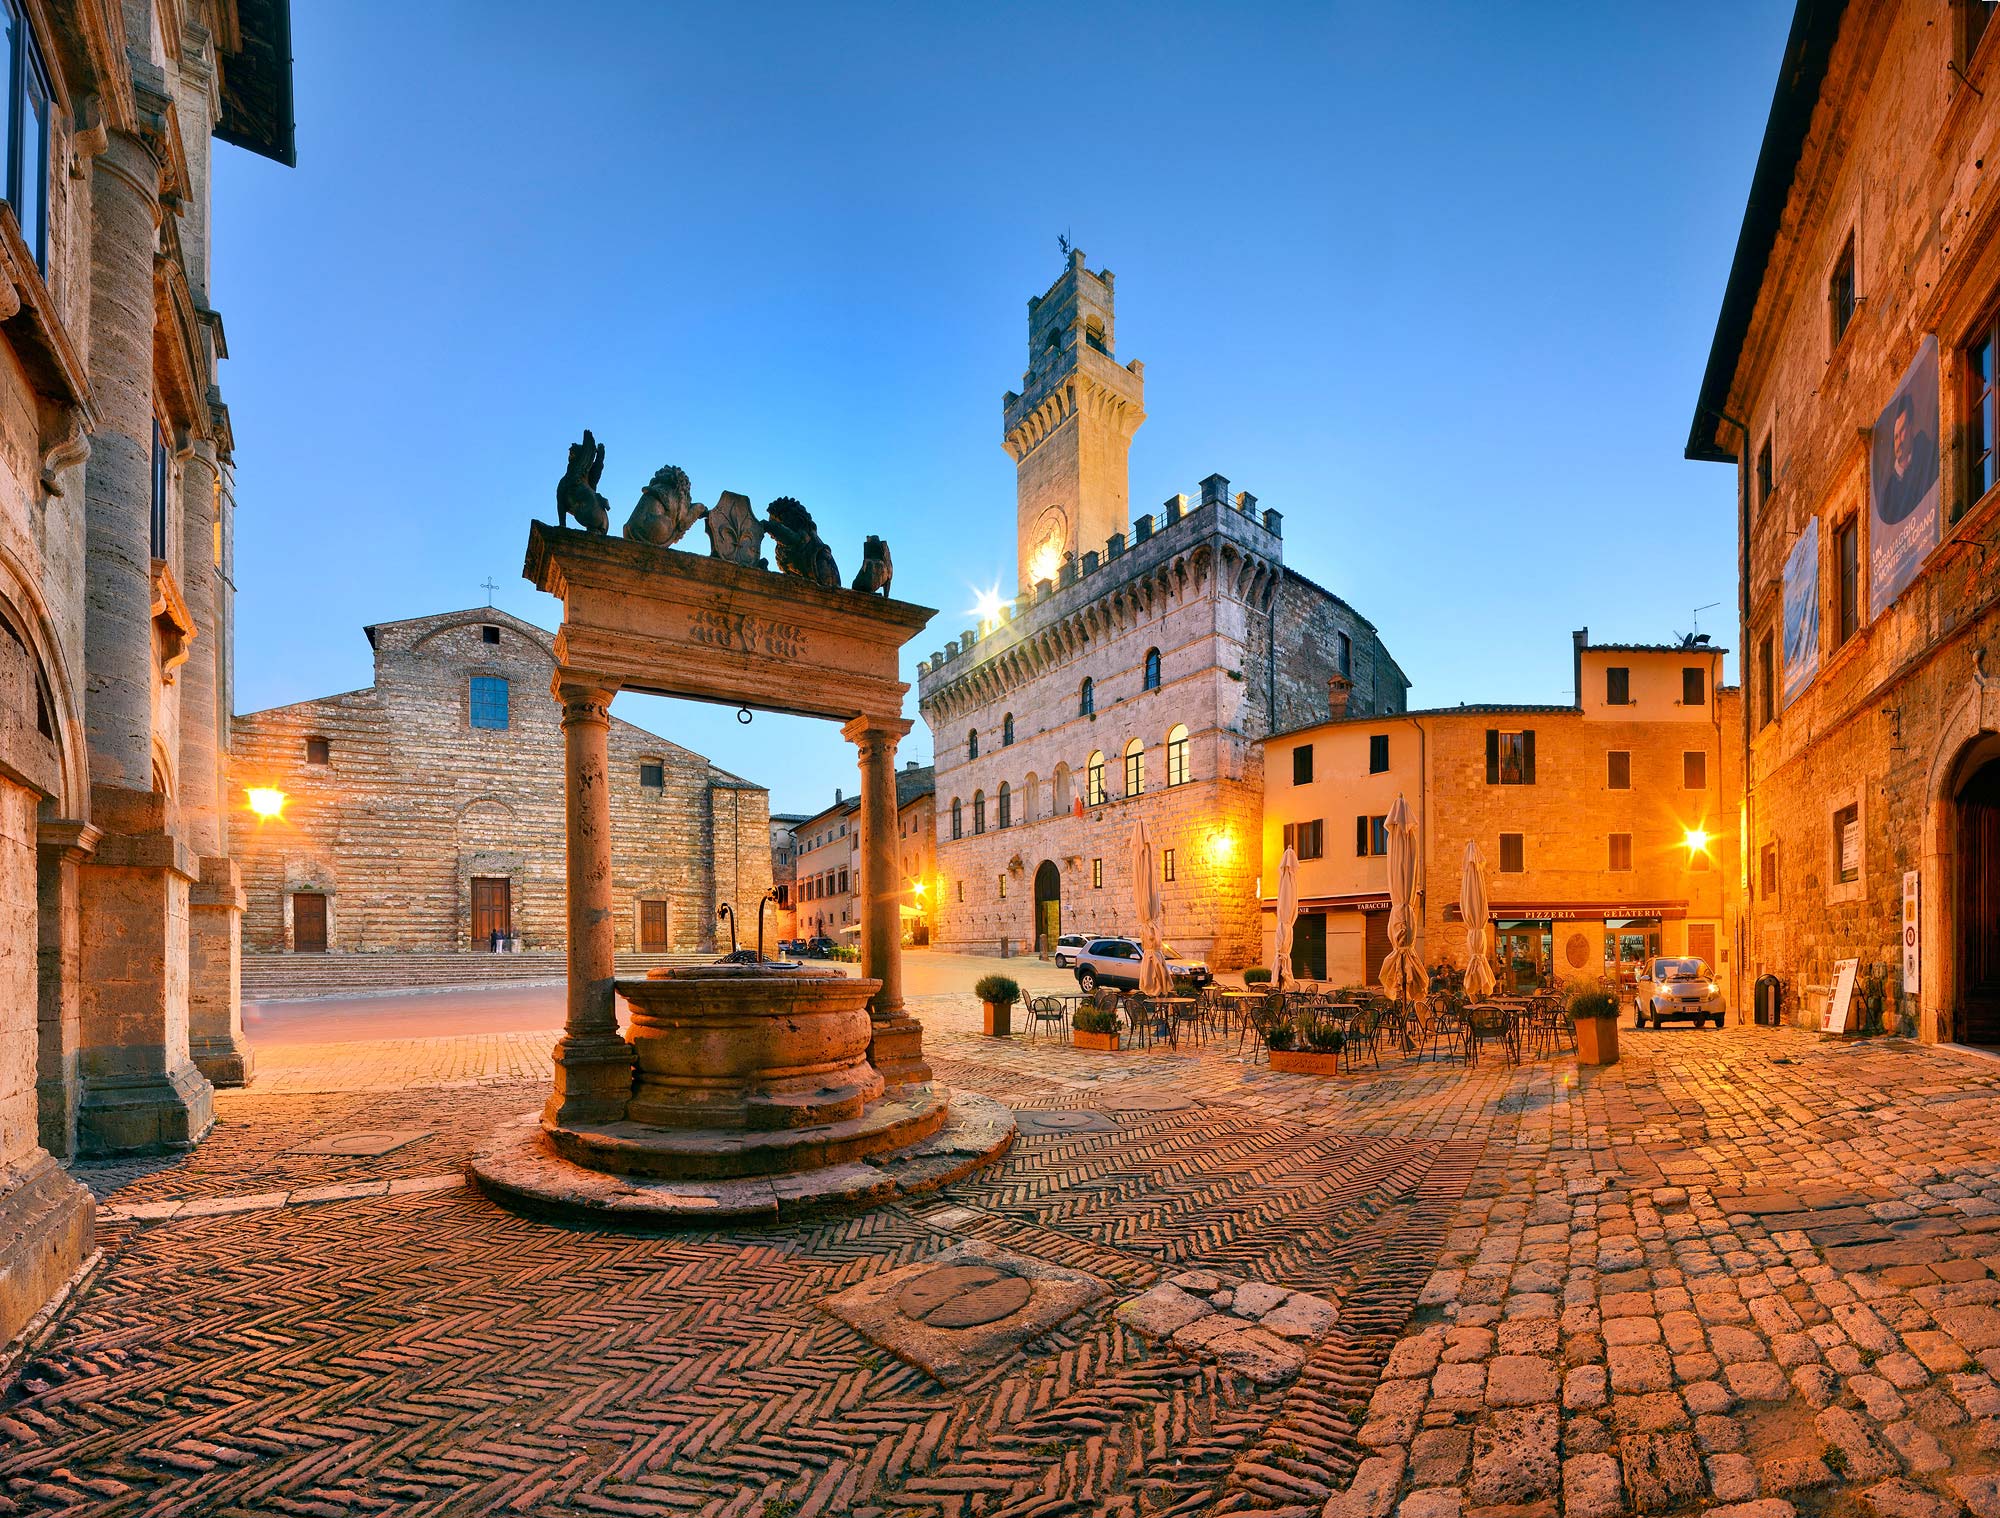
[1152, 669]
[1007, 731]
[1177, 755]
[1006, 804]
[957, 819]
[1093, 333]
[1135, 767]
[972, 744]
[978, 812]
[1093, 779]
[1086, 704]
[1060, 800]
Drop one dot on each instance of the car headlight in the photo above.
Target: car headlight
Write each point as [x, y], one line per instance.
[1712, 989]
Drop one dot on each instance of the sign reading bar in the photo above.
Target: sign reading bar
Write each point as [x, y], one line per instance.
[1912, 959]
[1840, 1006]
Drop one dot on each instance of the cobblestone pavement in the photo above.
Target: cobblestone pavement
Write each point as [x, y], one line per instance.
[1740, 1268]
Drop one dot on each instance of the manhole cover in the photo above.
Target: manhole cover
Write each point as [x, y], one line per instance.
[963, 1296]
[364, 1145]
[1031, 1123]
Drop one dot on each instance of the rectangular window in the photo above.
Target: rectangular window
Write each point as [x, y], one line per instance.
[653, 776]
[1847, 593]
[1767, 871]
[1378, 835]
[489, 701]
[159, 518]
[1618, 770]
[1982, 421]
[1097, 874]
[1166, 864]
[1840, 291]
[1767, 681]
[1618, 687]
[24, 138]
[1306, 838]
[1302, 764]
[1510, 757]
[1621, 851]
[1847, 844]
[318, 751]
[1003, 887]
[961, 890]
[1512, 849]
[1766, 478]
[1975, 14]
[1378, 754]
[1694, 770]
[1694, 686]
[1346, 647]
[489, 633]
[842, 887]
[215, 534]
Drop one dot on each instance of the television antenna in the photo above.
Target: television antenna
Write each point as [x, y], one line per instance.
[1700, 609]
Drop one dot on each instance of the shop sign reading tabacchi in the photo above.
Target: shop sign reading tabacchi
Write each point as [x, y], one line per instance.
[739, 632]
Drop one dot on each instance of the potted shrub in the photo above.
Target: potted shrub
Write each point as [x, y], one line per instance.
[1094, 1028]
[1322, 1039]
[1256, 975]
[1593, 1008]
[997, 995]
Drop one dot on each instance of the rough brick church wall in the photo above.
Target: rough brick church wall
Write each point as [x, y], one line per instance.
[415, 802]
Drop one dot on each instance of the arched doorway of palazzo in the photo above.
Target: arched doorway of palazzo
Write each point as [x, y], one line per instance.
[1977, 925]
[1048, 906]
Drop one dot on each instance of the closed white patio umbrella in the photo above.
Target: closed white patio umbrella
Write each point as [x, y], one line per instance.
[1402, 971]
[1478, 932]
[1288, 915]
[1153, 977]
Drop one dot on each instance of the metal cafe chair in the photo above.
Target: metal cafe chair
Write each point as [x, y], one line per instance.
[1050, 1010]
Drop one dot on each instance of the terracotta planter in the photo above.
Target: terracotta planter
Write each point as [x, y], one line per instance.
[1104, 1042]
[1597, 1040]
[1305, 1061]
[998, 1020]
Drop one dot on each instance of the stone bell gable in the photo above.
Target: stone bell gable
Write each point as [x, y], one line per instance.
[428, 807]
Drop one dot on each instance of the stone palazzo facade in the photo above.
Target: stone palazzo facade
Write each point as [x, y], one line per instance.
[1852, 383]
[1133, 678]
[1608, 826]
[425, 813]
[118, 899]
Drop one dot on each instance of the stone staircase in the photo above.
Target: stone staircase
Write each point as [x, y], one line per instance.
[286, 977]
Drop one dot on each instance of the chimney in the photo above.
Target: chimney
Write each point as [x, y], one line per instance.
[1579, 640]
[836, 795]
[1338, 689]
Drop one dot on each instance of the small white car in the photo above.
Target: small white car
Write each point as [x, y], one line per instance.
[1068, 947]
[1666, 987]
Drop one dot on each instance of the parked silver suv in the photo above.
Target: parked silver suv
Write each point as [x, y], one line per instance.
[1114, 962]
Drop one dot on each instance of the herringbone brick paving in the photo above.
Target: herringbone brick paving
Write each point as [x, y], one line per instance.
[432, 1354]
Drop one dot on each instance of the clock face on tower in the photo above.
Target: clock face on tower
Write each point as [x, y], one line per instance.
[1048, 541]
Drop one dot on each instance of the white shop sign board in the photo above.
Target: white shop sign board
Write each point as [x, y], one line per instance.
[1840, 1005]
[1912, 960]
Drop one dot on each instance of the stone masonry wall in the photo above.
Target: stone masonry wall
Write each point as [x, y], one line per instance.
[414, 802]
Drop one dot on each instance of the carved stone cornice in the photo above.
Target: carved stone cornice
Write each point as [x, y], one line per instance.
[1080, 392]
[173, 624]
[35, 332]
[158, 125]
[68, 837]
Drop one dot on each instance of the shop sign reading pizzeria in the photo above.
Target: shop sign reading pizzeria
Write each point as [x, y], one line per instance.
[1571, 911]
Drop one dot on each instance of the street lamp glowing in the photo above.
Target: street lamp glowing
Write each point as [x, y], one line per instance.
[917, 887]
[1696, 840]
[265, 801]
[1221, 846]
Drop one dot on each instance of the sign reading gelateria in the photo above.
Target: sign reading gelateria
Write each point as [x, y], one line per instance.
[671, 623]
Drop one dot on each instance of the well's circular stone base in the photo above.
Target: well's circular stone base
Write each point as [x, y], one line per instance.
[625, 1147]
[522, 1169]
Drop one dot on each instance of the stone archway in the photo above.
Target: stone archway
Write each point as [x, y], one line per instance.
[1974, 949]
[1048, 905]
[1968, 737]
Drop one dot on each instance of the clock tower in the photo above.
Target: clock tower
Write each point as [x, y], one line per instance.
[1070, 427]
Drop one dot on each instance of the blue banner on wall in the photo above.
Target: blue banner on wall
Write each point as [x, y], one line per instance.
[1802, 612]
[1903, 477]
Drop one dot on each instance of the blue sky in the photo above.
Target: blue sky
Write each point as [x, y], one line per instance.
[1435, 281]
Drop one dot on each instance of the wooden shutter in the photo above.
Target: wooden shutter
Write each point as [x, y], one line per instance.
[1701, 942]
[1528, 757]
[1493, 756]
[1374, 944]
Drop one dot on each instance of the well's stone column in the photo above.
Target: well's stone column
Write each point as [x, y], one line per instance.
[593, 1063]
[897, 1047]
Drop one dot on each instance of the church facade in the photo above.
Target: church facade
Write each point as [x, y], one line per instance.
[425, 812]
[1132, 679]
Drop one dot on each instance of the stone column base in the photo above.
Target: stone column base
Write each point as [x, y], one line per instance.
[896, 1049]
[215, 976]
[48, 1227]
[139, 1114]
[593, 1079]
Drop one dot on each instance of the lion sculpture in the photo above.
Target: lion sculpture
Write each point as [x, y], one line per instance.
[666, 509]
